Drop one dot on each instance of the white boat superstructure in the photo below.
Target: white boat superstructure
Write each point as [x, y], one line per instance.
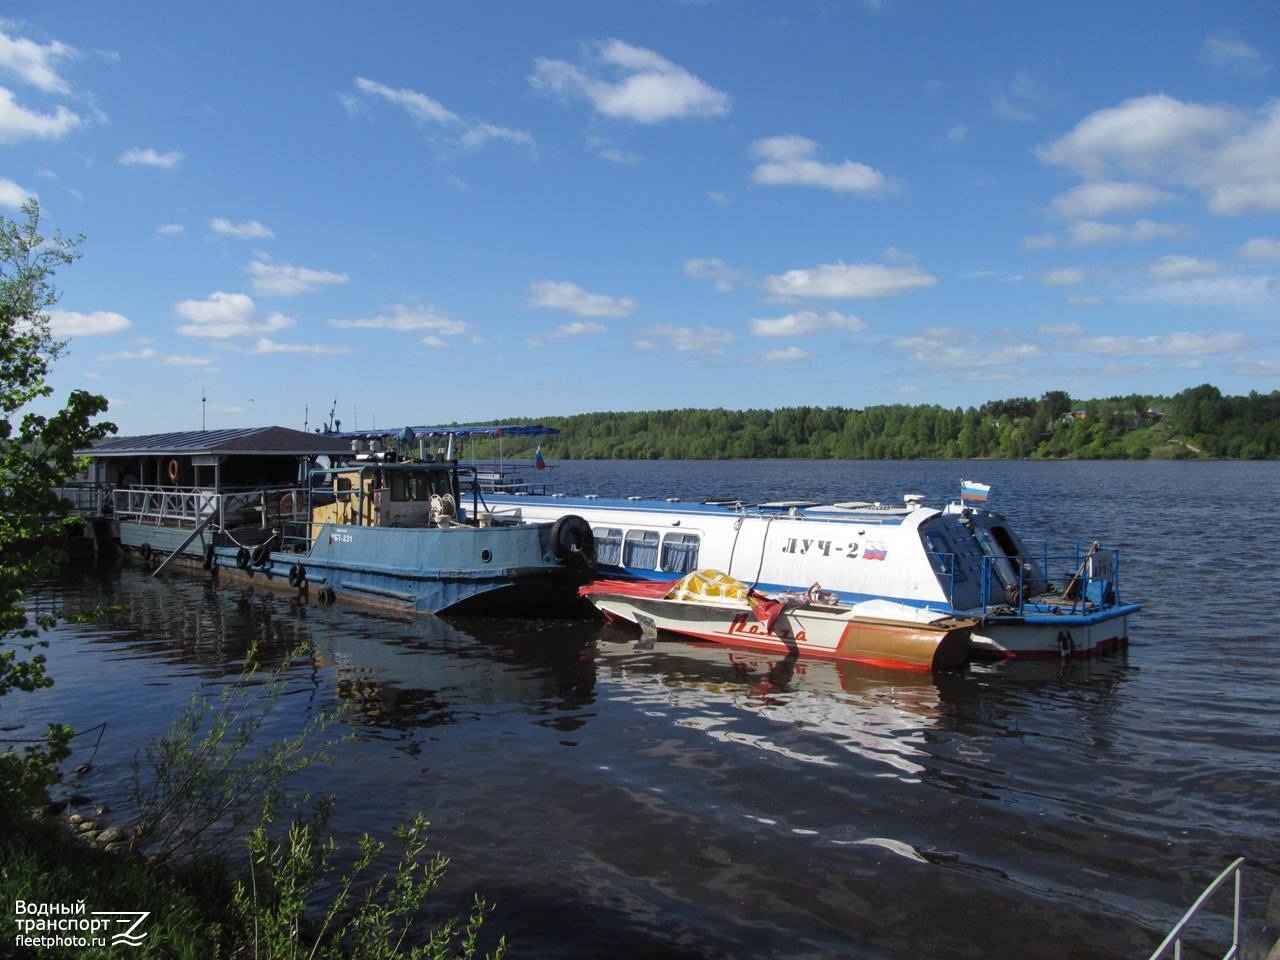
[962, 560]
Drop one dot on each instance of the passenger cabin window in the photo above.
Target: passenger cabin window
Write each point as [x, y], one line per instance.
[640, 549]
[608, 544]
[680, 552]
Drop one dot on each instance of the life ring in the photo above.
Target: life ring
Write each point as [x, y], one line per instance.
[242, 558]
[173, 470]
[297, 575]
[572, 540]
[208, 557]
[261, 555]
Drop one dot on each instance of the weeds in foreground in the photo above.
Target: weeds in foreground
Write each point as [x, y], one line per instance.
[369, 916]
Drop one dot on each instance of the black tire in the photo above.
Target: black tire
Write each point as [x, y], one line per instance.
[242, 558]
[297, 575]
[261, 555]
[572, 541]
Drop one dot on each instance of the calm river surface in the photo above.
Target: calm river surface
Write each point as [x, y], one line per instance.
[686, 801]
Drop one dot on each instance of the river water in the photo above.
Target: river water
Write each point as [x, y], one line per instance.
[686, 801]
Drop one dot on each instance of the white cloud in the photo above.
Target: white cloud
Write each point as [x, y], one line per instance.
[1040, 241]
[267, 346]
[248, 230]
[429, 113]
[1019, 99]
[1089, 233]
[421, 108]
[1085, 300]
[12, 195]
[789, 161]
[35, 64]
[171, 229]
[1228, 50]
[286, 280]
[562, 295]
[144, 353]
[957, 133]
[630, 83]
[225, 315]
[139, 157]
[18, 123]
[719, 198]
[1230, 156]
[1064, 277]
[577, 328]
[1102, 197]
[1163, 345]
[804, 323]
[186, 360]
[1180, 267]
[1222, 291]
[1059, 330]
[407, 319]
[857, 281]
[722, 276]
[934, 351]
[705, 339]
[1260, 248]
[624, 157]
[789, 355]
[68, 323]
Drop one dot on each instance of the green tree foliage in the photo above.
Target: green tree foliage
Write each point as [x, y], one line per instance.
[1198, 422]
[37, 454]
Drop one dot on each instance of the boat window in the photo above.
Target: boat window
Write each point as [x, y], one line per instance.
[608, 544]
[640, 549]
[680, 552]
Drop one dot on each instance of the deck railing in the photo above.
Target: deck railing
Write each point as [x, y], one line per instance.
[1085, 579]
[1174, 939]
[188, 506]
[86, 499]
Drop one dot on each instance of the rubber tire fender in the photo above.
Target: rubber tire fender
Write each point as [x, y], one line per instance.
[297, 575]
[242, 558]
[261, 555]
[572, 540]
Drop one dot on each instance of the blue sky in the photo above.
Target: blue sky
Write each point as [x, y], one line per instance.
[437, 212]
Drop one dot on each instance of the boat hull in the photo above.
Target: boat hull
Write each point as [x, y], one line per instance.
[459, 569]
[809, 630]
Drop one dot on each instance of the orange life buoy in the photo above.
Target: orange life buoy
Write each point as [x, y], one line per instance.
[173, 471]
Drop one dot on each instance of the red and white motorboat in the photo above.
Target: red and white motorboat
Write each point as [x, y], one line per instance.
[708, 605]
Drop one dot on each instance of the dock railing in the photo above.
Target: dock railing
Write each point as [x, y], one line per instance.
[87, 499]
[1175, 937]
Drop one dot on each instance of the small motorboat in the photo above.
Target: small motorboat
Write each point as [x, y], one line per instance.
[708, 605]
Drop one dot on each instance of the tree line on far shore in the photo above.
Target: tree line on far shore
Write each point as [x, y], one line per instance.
[1199, 422]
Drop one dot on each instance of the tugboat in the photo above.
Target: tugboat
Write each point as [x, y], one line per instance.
[336, 518]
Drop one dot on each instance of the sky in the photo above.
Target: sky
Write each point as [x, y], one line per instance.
[419, 213]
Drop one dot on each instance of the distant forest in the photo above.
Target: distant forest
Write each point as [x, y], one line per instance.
[1197, 423]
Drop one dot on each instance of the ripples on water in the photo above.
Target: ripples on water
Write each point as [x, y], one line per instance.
[632, 800]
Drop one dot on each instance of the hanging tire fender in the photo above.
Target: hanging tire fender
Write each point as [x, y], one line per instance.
[297, 575]
[572, 541]
[242, 558]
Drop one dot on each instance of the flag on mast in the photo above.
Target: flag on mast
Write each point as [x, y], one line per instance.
[538, 462]
[973, 492]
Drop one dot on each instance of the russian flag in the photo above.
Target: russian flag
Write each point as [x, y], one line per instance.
[973, 492]
[538, 462]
